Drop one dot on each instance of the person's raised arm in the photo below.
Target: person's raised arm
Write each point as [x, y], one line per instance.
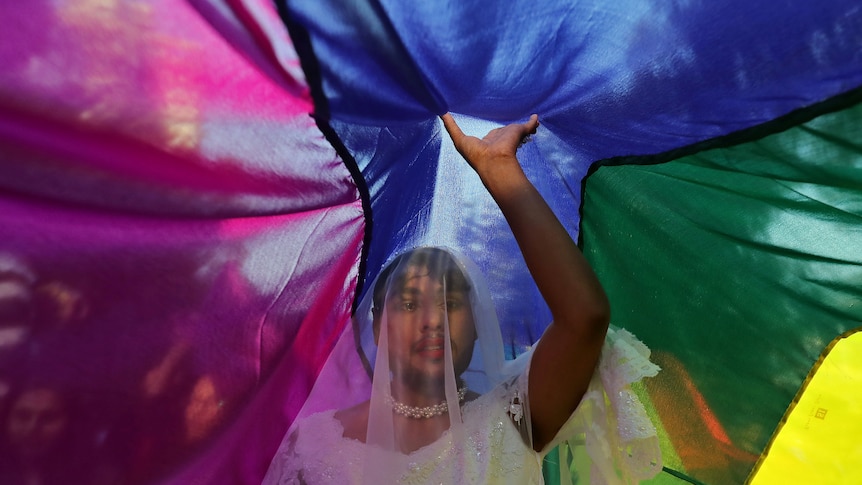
[565, 357]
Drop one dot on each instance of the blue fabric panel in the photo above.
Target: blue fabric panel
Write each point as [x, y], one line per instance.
[623, 77]
[608, 79]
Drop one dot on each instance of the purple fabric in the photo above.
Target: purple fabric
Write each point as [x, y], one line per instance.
[179, 244]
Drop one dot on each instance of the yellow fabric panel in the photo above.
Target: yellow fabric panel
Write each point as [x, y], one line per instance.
[820, 441]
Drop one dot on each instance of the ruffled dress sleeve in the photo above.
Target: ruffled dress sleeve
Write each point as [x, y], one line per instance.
[609, 438]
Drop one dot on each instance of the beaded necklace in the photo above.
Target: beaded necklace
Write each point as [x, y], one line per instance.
[422, 412]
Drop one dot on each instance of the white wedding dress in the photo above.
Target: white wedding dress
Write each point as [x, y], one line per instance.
[610, 423]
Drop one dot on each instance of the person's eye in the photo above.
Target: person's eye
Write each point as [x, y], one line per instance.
[454, 304]
[408, 305]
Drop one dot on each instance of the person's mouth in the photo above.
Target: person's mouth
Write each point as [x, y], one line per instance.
[431, 347]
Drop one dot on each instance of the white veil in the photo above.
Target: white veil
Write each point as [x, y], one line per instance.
[427, 333]
[408, 407]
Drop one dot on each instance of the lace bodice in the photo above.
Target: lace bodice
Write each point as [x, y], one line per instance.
[491, 450]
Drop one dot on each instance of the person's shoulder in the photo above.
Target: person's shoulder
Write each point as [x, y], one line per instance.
[354, 420]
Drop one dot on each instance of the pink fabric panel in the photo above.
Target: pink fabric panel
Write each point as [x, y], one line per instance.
[178, 242]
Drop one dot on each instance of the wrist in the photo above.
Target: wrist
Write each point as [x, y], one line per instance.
[504, 178]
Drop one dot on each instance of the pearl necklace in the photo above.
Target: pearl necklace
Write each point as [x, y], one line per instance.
[422, 412]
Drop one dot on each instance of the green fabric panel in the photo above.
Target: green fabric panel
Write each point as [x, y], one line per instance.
[737, 266]
[551, 467]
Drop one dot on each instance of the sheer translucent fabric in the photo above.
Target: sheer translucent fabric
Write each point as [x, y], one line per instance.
[443, 405]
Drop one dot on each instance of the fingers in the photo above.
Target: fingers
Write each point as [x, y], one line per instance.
[524, 130]
[532, 124]
[452, 127]
[528, 129]
[459, 138]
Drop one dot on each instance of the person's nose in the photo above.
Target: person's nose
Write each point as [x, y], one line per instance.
[433, 317]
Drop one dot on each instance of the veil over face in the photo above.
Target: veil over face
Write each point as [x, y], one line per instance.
[439, 297]
[418, 391]
[427, 335]
[436, 346]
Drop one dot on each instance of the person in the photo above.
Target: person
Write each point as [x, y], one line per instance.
[17, 304]
[47, 437]
[35, 439]
[443, 405]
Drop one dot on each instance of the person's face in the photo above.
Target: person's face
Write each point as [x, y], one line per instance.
[416, 314]
[203, 411]
[16, 312]
[37, 422]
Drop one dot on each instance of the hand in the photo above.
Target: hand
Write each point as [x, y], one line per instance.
[499, 146]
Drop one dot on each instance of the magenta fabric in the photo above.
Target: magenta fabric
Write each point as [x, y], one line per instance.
[180, 243]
